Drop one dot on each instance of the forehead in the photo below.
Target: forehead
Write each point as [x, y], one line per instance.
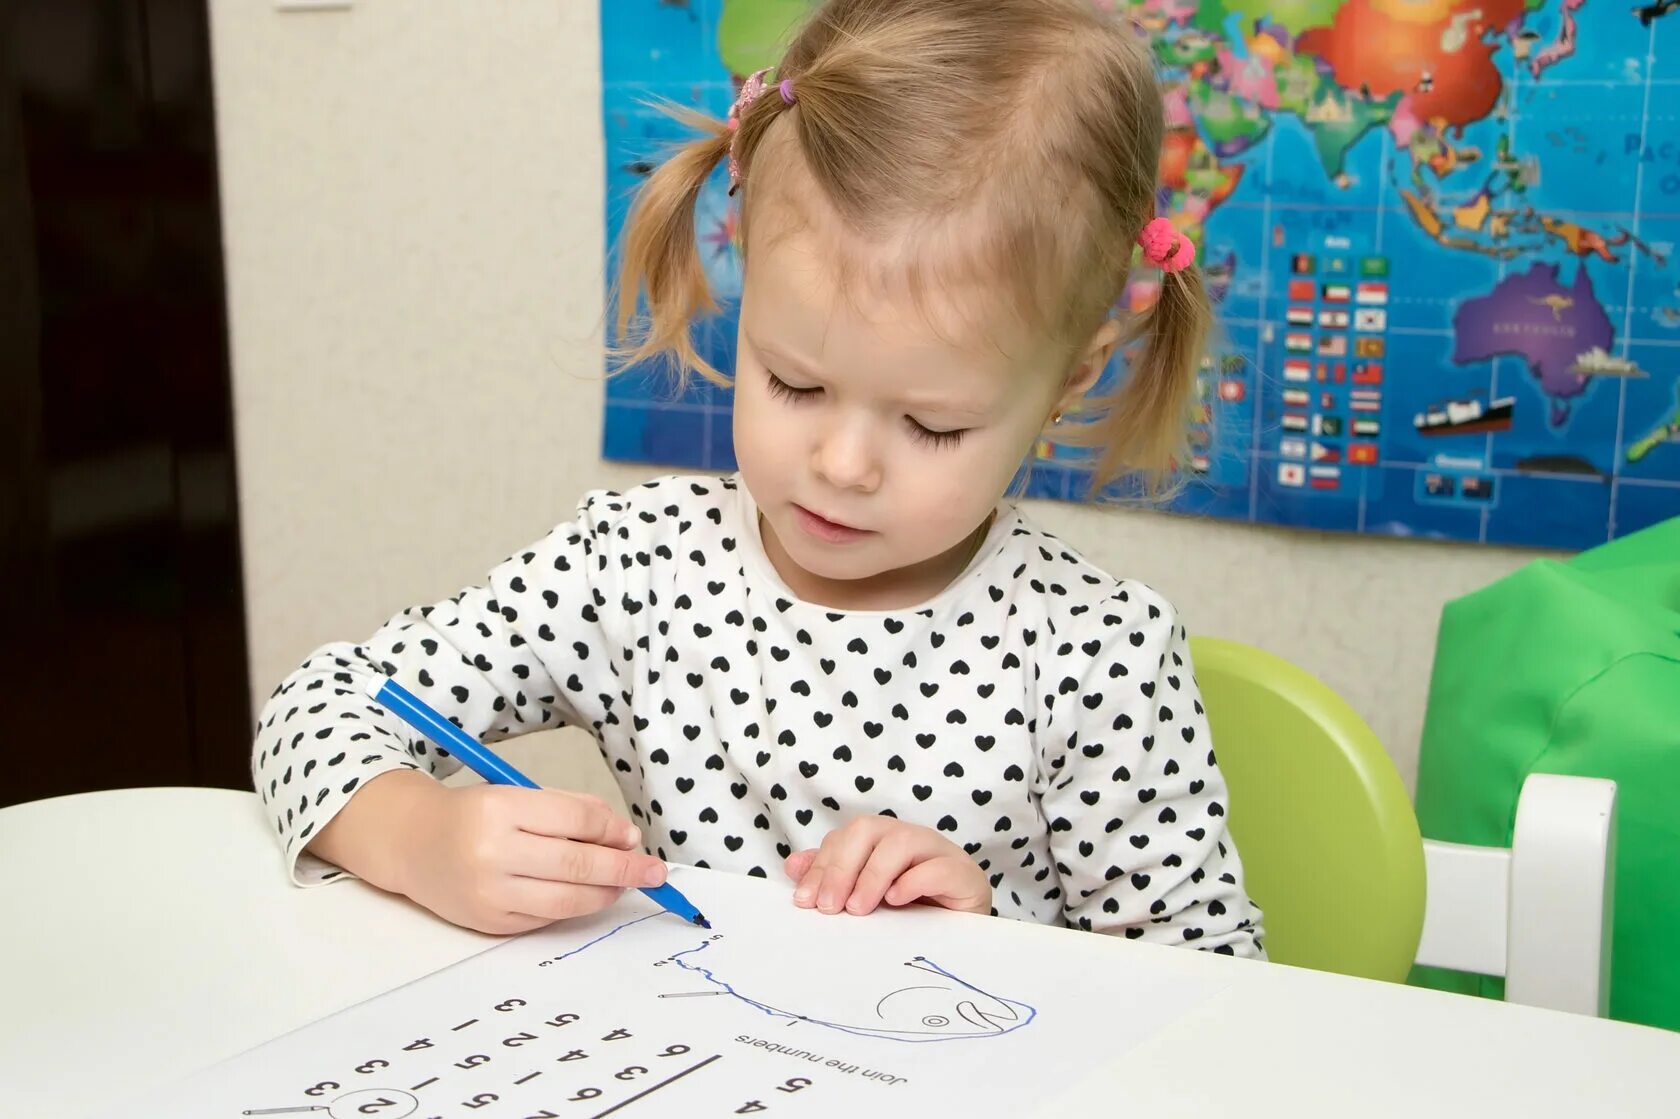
[896, 302]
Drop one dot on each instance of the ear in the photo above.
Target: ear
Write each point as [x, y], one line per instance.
[1092, 361]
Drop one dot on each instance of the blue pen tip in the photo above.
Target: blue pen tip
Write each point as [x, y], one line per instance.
[700, 919]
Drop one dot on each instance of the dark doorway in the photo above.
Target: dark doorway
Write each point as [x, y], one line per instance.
[122, 635]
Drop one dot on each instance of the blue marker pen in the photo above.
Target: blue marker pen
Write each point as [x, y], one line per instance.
[395, 698]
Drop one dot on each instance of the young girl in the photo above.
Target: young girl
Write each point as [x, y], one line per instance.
[851, 663]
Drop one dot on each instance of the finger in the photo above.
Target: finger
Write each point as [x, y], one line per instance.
[892, 856]
[947, 881]
[556, 901]
[805, 894]
[798, 863]
[841, 856]
[565, 860]
[585, 818]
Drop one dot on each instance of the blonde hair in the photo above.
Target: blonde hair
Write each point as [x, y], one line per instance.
[1028, 130]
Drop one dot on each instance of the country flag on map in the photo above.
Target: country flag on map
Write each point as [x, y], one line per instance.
[1362, 454]
[1200, 464]
[1303, 290]
[1294, 421]
[1370, 429]
[1297, 341]
[1296, 370]
[1370, 318]
[1296, 398]
[1327, 425]
[1292, 448]
[1332, 345]
[1336, 264]
[1368, 373]
[1291, 474]
[1326, 401]
[1371, 291]
[1326, 477]
[1332, 319]
[1303, 264]
[1368, 346]
[1365, 400]
[1299, 316]
[1477, 488]
[1232, 390]
[1337, 293]
[1323, 453]
[1373, 266]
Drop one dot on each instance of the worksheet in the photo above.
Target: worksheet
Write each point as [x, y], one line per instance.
[775, 1009]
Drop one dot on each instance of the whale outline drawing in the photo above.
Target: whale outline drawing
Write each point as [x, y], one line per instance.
[987, 1024]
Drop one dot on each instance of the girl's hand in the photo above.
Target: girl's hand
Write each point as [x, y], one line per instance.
[877, 859]
[494, 858]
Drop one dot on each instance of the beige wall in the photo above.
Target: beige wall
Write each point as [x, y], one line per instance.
[413, 217]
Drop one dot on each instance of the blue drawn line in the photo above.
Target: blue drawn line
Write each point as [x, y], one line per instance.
[603, 936]
[890, 1035]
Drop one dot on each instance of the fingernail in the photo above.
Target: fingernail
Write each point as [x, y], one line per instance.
[653, 876]
[635, 839]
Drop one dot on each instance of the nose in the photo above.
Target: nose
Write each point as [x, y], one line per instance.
[846, 456]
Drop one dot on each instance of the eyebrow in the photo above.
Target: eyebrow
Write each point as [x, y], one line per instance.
[777, 356]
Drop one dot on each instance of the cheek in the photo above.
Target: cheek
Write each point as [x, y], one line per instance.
[750, 419]
[952, 495]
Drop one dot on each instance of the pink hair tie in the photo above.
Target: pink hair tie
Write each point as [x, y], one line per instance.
[751, 90]
[1165, 247]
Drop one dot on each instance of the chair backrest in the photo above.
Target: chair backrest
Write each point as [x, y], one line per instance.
[1539, 913]
[1329, 843]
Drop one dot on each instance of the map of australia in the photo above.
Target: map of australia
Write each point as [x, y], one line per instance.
[1530, 316]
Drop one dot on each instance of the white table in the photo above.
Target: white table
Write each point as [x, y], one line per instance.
[154, 929]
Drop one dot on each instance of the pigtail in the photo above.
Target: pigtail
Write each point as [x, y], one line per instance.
[660, 267]
[1140, 432]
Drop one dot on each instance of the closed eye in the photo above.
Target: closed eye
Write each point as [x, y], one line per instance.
[933, 438]
[784, 391]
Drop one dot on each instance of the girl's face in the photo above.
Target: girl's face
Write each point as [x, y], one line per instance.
[877, 435]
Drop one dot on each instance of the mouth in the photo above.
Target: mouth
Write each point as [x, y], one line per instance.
[990, 1021]
[833, 532]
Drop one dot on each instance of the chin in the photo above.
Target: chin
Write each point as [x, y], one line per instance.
[840, 565]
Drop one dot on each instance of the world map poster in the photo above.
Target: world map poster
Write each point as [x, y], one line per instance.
[1440, 236]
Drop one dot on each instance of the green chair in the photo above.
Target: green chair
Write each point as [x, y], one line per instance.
[1328, 839]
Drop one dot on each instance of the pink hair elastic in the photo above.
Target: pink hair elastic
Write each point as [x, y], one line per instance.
[751, 90]
[1165, 247]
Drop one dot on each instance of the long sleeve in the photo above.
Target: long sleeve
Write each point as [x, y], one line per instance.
[1135, 801]
[526, 650]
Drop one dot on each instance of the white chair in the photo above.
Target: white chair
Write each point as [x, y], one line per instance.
[1538, 914]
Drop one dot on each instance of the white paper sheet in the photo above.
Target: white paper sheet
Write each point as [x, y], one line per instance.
[635, 1013]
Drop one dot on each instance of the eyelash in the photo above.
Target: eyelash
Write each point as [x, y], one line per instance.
[784, 391]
